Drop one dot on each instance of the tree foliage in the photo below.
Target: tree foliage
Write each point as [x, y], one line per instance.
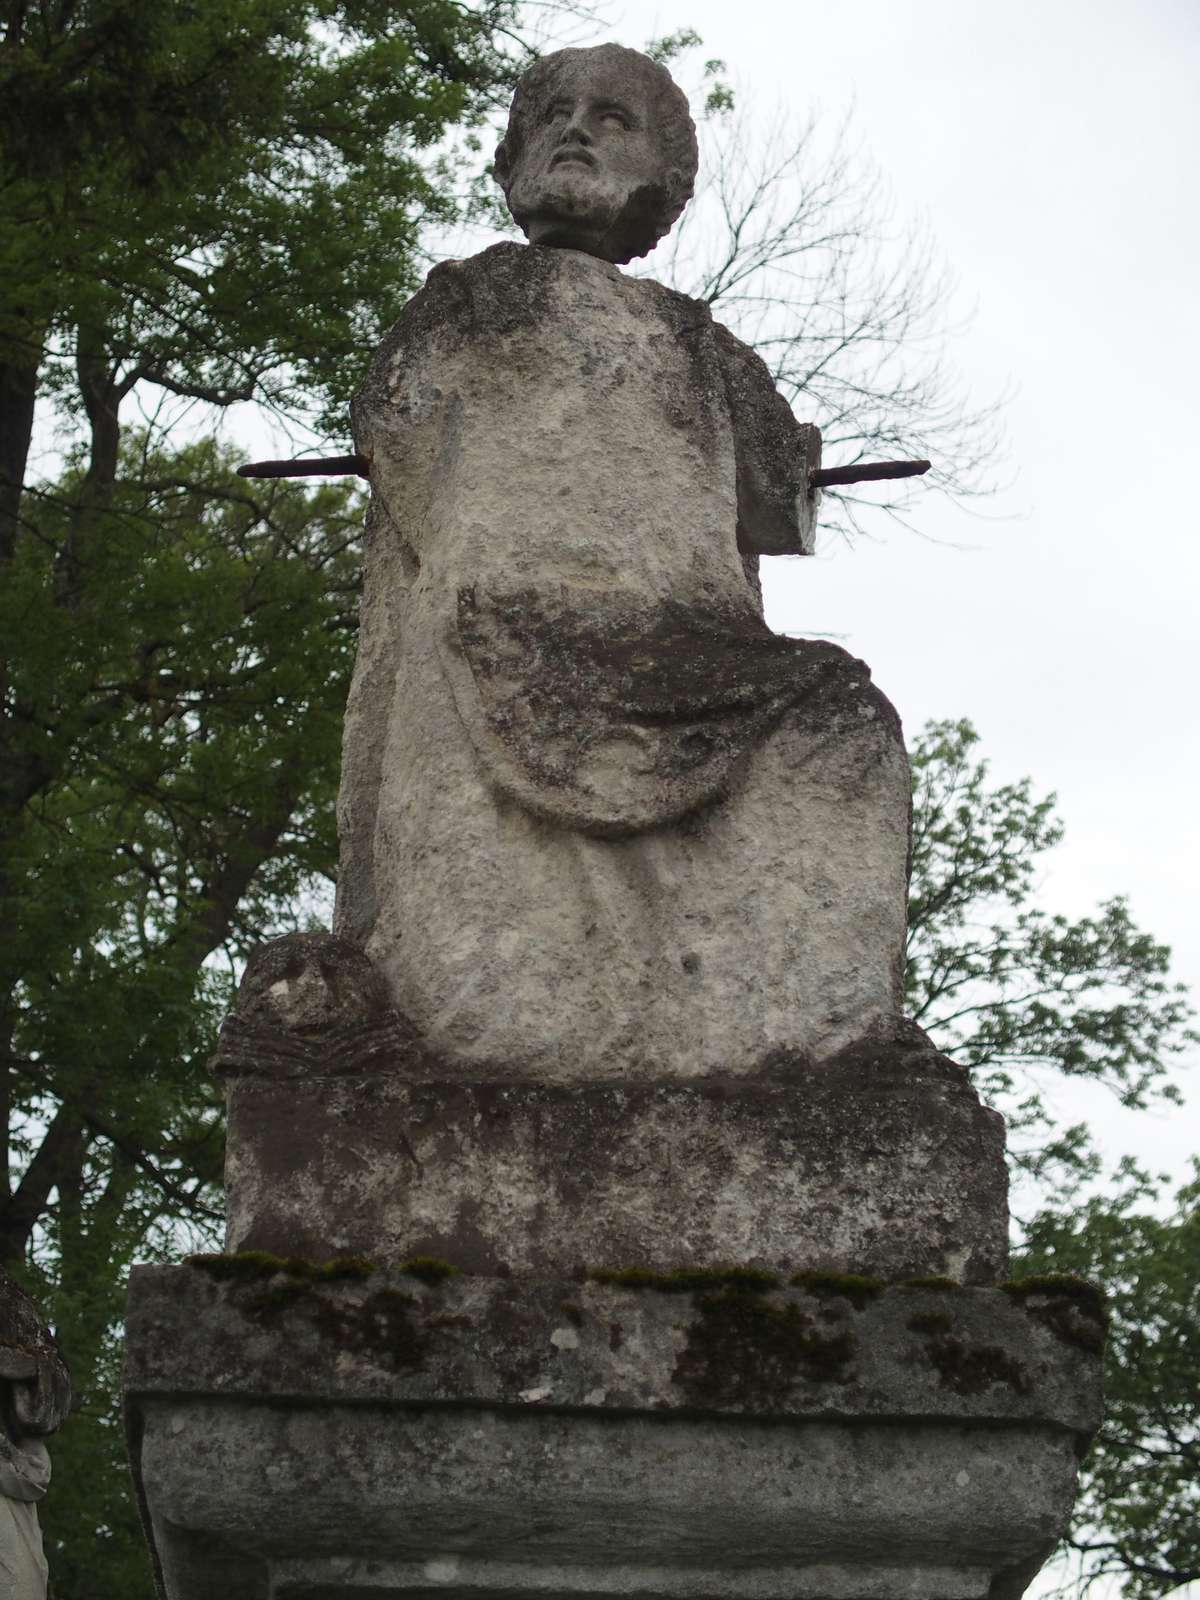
[1137, 1519]
[1024, 998]
[1016, 993]
[199, 205]
[190, 706]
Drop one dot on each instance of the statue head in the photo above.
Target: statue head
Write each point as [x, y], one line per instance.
[600, 152]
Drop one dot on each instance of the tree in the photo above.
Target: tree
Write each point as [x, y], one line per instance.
[1011, 991]
[199, 205]
[187, 824]
[1016, 994]
[1137, 1518]
[792, 242]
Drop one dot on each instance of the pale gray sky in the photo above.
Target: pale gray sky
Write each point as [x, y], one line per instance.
[1052, 146]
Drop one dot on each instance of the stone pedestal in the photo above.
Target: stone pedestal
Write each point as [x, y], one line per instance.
[356, 1437]
[699, 1338]
[346, 1138]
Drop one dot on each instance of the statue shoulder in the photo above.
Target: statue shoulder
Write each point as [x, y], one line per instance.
[777, 455]
[461, 303]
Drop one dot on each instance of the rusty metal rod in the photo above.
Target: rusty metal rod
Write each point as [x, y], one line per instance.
[331, 466]
[347, 466]
[867, 472]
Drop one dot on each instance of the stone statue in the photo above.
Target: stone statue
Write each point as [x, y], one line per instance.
[596, 818]
[595, 1225]
[35, 1396]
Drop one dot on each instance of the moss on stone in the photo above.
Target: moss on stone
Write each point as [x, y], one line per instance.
[245, 1266]
[1073, 1309]
[931, 1283]
[1066, 1286]
[250, 1266]
[690, 1280]
[430, 1270]
[852, 1286]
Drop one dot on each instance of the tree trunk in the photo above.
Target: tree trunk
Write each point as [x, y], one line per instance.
[18, 391]
[54, 1161]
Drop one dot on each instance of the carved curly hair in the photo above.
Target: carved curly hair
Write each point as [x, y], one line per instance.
[669, 112]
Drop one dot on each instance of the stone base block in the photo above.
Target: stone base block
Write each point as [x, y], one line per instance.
[882, 1161]
[355, 1439]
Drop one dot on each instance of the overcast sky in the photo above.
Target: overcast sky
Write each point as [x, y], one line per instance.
[1052, 148]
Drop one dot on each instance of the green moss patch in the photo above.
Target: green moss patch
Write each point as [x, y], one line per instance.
[1074, 1310]
[252, 1266]
[852, 1286]
[690, 1280]
[1066, 1286]
[429, 1270]
[931, 1283]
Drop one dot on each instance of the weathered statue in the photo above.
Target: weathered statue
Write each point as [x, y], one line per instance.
[35, 1395]
[596, 819]
[595, 1225]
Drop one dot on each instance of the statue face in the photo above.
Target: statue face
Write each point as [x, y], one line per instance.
[590, 163]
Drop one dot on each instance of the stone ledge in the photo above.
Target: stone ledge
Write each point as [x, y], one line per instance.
[250, 1501]
[962, 1355]
[883, 1161]
[375, 1438]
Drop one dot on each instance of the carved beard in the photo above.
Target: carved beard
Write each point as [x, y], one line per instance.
[597, 212]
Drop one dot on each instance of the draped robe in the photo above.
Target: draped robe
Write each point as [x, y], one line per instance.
[596, 819]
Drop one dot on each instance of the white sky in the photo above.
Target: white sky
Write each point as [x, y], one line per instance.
[1052, 146]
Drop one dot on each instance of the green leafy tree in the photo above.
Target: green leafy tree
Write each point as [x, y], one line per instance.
[1017, 994]
[200, 205]
[195, 699]
[1023, 997]
[1137, 1519]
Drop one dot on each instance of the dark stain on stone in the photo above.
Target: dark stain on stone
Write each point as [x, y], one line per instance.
[381, 1328]
[970, 1369]
[931, 1322]
[1070, 1322]
[1063, 1284]
[748, 1352]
